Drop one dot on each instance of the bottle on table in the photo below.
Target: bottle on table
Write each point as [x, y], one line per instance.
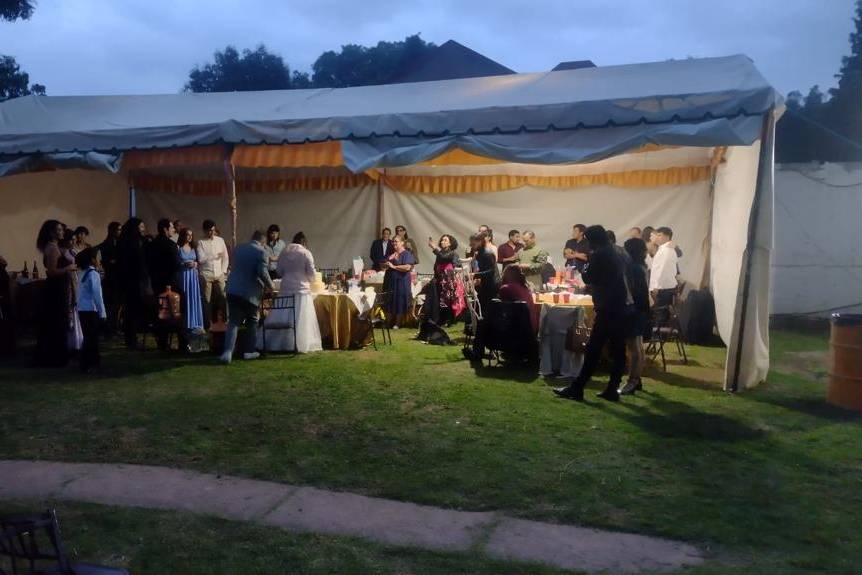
[25, 273]
[35, 275]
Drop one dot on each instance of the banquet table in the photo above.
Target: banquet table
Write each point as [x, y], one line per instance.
[338, 315]
[554, 321]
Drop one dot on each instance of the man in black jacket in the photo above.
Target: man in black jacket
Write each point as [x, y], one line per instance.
[163, 263]
[605, 274]
[381, 249]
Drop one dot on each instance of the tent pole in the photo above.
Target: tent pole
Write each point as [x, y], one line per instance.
[766, 136]
[230, 189]
[133, 199]
[380, 203]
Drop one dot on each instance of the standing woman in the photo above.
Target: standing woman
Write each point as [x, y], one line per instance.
[193, 311]
[52, 346]
[450, 294]
[409, 244]
[108, 251]
[398, 281]
[639, 321]
[74, 334]
[134, 279]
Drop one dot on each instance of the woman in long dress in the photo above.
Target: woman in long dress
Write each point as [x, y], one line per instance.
[189, 283]
[397, 282]
[295, 267]
[74, 334]
[449, 293]
[52, 345]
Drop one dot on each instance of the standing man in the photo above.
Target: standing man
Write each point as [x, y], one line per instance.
[109, 250]
[508, 252]
[163, 264]
[381, 249]
[662, 279]
[579, 246]
[245, 288]
[605, 274]
[634, 233]
[213, 261]
[533, 259]
[487, 278]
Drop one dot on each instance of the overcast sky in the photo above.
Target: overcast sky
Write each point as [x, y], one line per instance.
[149, 46]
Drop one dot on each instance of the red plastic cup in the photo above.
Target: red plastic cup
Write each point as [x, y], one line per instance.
[556, 298]
[567, 297]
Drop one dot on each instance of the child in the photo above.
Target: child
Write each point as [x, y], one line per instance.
[91, 306]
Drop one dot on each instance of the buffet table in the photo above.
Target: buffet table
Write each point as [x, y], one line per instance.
[338, 315]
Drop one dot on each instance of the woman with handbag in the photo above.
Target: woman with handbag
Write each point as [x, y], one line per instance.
[639, 321]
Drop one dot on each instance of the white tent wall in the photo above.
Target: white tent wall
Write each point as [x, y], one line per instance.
[734, 194]
[811, 199]
[551, 213]
[339, 224]
[75, 197]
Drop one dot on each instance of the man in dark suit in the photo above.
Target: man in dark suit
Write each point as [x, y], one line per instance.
[163, 263]
[605, 275]
[248, 278]
[381, 249]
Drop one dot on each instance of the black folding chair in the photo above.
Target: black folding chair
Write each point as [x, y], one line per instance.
[376, 318]
[33, 546]
[665, 328]
[276, 303]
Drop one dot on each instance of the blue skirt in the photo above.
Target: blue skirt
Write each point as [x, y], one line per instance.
[192, 299]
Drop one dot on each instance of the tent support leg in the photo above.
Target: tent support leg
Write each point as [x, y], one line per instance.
[379, 205]
[766, 137]
[230, 189]
[133, 202]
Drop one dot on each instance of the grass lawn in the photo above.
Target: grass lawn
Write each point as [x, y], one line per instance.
[769, 481]
[147, 541]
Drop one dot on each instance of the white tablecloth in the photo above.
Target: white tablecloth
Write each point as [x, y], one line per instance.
[554, 323]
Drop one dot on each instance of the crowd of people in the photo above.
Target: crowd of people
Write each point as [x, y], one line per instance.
[127, 280]
[625, 281]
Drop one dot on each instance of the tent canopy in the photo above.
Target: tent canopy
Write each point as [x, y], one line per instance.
[707, 102]
[687, 143]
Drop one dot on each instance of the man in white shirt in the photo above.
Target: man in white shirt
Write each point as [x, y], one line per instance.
[213, 261]
[662, 279]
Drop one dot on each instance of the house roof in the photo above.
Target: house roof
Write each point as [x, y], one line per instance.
[450, 61]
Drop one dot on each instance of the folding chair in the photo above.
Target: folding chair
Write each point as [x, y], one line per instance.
[375, 318]
[665, 329]
[284, 321]
[33, 545]
[163, 323]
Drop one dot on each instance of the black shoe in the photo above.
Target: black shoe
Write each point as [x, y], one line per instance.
[609, 395]
[570, 392]
[639, 386]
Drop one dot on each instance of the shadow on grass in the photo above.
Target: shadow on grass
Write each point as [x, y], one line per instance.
[680, 380]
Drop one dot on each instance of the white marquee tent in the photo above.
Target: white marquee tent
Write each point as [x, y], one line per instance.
[682, 143]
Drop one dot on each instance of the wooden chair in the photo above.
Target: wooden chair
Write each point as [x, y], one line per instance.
[278, 303]
[33, 546]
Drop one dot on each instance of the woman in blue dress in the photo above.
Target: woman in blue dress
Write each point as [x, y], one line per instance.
[189, 283]
[398, 281]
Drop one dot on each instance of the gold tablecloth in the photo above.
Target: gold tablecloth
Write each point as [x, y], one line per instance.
[338, 318]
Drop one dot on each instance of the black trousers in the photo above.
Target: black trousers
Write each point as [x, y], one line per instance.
[89, 356]
[610, 329]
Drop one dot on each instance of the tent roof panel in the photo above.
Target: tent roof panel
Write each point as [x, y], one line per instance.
[661, 92]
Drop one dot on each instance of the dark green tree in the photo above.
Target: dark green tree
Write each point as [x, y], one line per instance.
[14, 82]
[844, 109]
[11, 10]
[356, 65]
[231, 71]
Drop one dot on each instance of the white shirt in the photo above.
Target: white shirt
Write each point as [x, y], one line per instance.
[296, 268]
[90, 292]
[663, 269]
[209, 265]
